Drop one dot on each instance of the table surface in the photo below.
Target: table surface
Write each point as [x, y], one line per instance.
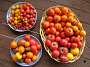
[80, 7]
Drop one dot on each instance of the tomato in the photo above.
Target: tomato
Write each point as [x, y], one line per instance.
[32, 42]
[46, 24]
[68, 24]
[49, 18]
[63, 42]
[53, 30]
[68, 32]
[63, 50]
[64, 18]
[82, 33]
[13, 44]
[57, 10]
[57, 18]
[51, 24]
[34, 58]
[38, 46]
[62, 35]
[55, 53]
[48, 43]
[21, 49]
[65, 10]
[58, 26]
[57, 33]
[29, 55]
[54, 46]
[33, 48]
[51, 37]
[50, 12]
[74, 45]
[47, 31]
[58, 39]
[27, 37]
[21, 42]
[27, 60]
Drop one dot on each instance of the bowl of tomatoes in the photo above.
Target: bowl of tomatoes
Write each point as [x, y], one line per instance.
[62, 34]
[21, 16]
[25, 50]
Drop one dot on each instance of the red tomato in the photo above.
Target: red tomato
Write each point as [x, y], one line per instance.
[55, 53]
[47, 31]
[51, 37]
[58, 39]
[33, 48]
[27, 37]
[54, 46]
[53, 30]
[48, 43]
[32, 42]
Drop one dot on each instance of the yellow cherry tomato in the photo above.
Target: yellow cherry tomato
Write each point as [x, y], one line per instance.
[75, 51]
[70, 56]
[18, 56]
[34, 58]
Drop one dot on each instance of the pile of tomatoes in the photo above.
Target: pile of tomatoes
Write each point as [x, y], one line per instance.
[25, 50]
[22, 16]
[64, 34]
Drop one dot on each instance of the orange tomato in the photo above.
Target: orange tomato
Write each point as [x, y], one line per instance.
[58, 26]
[82, 33]
[27, 44]
[68, 24]
[64, 18]
[13, 44]
[21, 49]
[34, 58]
[29, 55]
[14, 58]
[57, 10]
[27, 60]
[65, 10]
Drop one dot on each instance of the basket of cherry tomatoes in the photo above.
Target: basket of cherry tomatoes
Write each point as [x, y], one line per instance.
[62, 34]
[21, 16]
[25, 50]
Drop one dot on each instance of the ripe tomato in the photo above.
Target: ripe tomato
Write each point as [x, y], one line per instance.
[58, 26]
[38, 46]
[51, 37]
[32, 42]
[47, 31]
[57, 18]
[64, 18]
[51, 24]
[27, 60]
[33, 48]
[65, 10]
[74, 45]
[50, 12]
[55, 53]
[46, 24]
[54, 46]
[57, 10]
[63, 42]
[49, 18]
[27, 37]
[48, 43]
[58, 39]
[62, 35]
[53, 30]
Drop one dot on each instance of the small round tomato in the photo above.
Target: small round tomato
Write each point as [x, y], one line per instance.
[32, 42]
[58, 26]
[38, 46]
[53, 30]
[21, 49]
[49, 18]
[51, 24]
[51, 37]
[57, 18]
[74, 45]
[65, 10]
[82, 33]
[58, 39]
[48, 43]
[13, 44]
[27, 60]
[62, 35]
[68, 24]
[50, 12]
[57, 10]
[64, 18]
[57, 33]
[33, 48]
[29, 55]
[34, 58]
[55, 53]
[27, 37]
[46, 24]
[75, 28]
[63, 24]
[47, 31]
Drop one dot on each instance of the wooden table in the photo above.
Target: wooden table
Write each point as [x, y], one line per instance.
[80, 7]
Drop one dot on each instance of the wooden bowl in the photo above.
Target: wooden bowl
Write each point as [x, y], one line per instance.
[43, 36]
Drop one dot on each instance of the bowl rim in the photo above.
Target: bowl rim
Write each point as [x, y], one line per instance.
[8, 15]
[39, 54]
